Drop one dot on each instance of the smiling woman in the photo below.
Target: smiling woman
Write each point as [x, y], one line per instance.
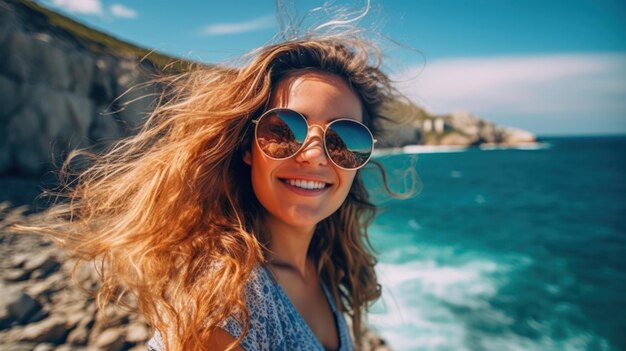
[239, 205]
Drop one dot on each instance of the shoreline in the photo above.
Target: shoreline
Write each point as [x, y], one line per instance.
[433, 149]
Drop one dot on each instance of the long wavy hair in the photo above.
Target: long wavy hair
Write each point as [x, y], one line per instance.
[169, 214]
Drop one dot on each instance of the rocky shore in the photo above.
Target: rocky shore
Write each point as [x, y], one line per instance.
[42, 309]
[415, 126]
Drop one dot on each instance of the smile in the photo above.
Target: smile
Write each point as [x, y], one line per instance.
[306, 184]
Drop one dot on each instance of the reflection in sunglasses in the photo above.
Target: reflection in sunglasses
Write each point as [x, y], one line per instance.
[281, 131]
[278, 149]
[338, 151]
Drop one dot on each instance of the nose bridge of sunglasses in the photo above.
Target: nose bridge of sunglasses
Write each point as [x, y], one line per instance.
[314, 141]
[321, 129]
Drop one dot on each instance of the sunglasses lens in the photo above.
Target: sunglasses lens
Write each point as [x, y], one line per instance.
[281, 133]
[349, 143]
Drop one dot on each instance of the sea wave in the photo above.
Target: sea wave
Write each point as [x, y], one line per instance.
[442, 300]
[502, 251]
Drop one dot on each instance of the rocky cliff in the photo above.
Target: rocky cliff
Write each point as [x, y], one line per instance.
[60, 90]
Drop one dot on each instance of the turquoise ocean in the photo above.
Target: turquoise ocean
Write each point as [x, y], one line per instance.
[506, 249]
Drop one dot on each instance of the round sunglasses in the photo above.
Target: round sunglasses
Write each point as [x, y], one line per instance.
[281, 132]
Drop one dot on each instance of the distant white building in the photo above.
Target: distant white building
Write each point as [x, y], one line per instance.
[427, 125]
[436, 125]
[439, 125]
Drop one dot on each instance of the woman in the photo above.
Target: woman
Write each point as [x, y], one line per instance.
[236, 218]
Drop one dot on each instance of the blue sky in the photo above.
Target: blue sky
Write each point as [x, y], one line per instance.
[551, 67]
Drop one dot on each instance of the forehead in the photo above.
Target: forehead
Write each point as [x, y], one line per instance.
[317, 94]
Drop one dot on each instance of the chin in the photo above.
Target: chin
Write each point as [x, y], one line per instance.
[306, 217]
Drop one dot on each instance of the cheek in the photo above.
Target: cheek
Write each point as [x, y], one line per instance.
[347, 178]
[261, 177]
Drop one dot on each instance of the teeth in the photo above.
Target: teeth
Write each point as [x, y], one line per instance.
[306, 184]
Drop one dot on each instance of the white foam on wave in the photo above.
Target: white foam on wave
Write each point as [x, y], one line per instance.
[414, 312]
[430, 149]
[429, 300]
[435, 279]
[576, 340]
[419, 149]
[529, 146]
[456, 174]
[414, 224]
[479, 199]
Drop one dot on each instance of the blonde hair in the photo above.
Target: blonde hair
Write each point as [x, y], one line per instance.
[159, 209]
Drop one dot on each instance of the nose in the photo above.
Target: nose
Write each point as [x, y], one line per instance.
[313, 152]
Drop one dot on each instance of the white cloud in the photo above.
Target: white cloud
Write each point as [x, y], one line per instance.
[119, 10]
[87, 7]
[540, 85]
[239, 27]
[94, 7]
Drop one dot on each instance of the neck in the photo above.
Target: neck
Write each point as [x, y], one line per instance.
[289, 245]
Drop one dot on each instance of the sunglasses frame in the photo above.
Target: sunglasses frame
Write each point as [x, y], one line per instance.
[266, 113]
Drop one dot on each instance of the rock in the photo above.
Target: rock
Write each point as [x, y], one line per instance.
[15, 65]
[113, 317]
[15, 275]
[79, 335]
[85, 274]
[45, 288]
[15, 305]
[17, 347]
[515, 136]
[80, 110]
[76, 312]
[19, 260]
[52, 330]
[50, 266]
[103, 83]
[27, 125]
[111, 339]
[456, 139]
[105, 128]
[37, 316]
[66, 347]
[37, 261]
[45, 347]
[81, 69]
[137, 332]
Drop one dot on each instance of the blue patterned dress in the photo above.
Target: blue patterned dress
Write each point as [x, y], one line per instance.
[275, 324]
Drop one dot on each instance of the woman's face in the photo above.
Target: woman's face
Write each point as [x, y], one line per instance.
[278, 184]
